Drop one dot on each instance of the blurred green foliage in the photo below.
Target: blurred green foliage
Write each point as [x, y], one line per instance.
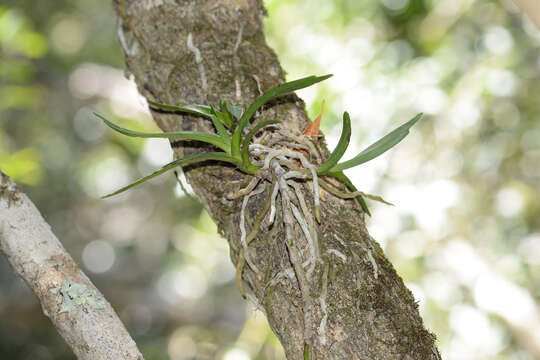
[465, 232]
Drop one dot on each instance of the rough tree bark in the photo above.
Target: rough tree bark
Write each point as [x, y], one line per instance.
[201, 51]
[80, 313]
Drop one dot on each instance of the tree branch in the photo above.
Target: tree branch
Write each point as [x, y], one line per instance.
[349, 303]
[77, 309]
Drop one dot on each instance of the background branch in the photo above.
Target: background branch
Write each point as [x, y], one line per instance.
[77, 309]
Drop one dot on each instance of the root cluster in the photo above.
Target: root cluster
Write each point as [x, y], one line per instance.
[287, 163]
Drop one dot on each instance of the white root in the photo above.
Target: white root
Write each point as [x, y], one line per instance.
[273, 204]
[282, 186]
[183, 187]
[338, 253]
[293, 174]
[284, 167]
[322, 302]
[316, 197]
[243, 228]
[305, 163]
[307, 215]
[285, 200]
[130, 51]
[258, 83]
[238, 89]
[301, 146]
[305, 229]
[303, 283]
[245, 191]
[256, 149]
[238, 39]
[340, 240]
[299, 140]
[322, 326]
[286, 152]
[374, 264]
[198, 59]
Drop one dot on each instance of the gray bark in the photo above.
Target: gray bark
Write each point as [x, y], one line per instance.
[77, 309]
[201, 51]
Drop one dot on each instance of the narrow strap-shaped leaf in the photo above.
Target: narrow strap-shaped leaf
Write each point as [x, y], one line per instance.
[342, 177]
[196, 109]
[341, 147]
[380, 146]
[220, 128]
[226, 115]
[191, 159]
[184, 135]
[273, 92]
[245, 144]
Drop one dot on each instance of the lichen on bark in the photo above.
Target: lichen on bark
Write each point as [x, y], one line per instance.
[185, 52]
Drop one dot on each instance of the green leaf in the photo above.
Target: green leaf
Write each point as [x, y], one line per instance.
[341, 147]
[191, 159]
[342, 177]
[261, 100]
[379, 147]
[235, 110]
[248, 166]
[195, 109]
[220, 128]
[226, 116]
[183, 135]
[201, 110]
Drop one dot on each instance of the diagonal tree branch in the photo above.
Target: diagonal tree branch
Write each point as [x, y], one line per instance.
[352, 305]
[77, 309]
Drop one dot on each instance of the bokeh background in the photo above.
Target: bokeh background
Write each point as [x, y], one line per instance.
[465, 231]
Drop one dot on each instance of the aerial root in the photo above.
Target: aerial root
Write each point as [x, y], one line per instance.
[239, 270]
[288, 166]
[303, 283]
[300, 142]
[326, 186]
[183, 187]
[261, 216]
[273, 202]
[243, 227]
[305, 229]
[374, 264]
[306, 164]
[295, 214]
[322, 302]
[305, 211]
[282, 164]
[338, 253]
[242, 192]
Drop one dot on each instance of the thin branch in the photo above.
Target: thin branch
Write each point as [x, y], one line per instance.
[77, 309]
